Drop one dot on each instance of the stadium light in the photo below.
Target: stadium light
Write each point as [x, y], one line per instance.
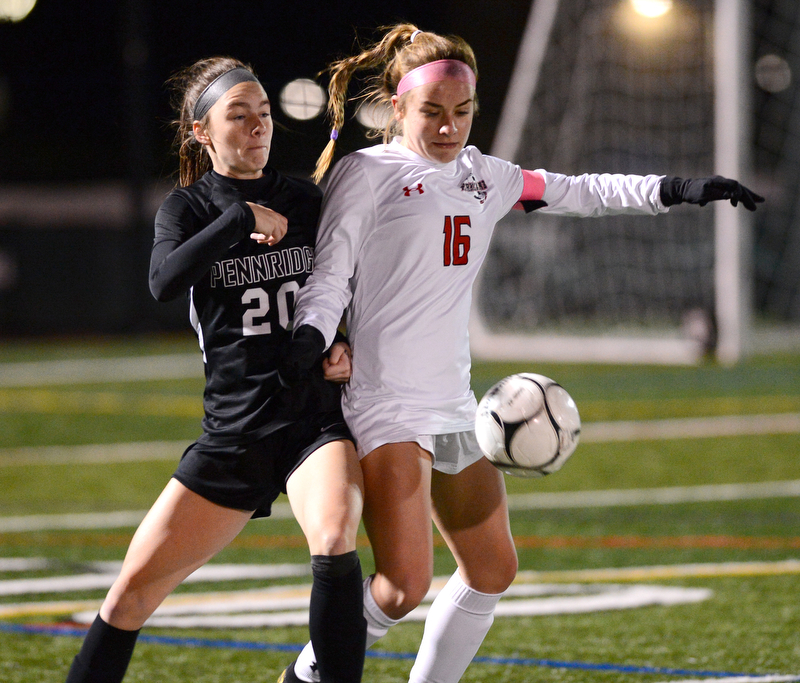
[302, 99]
[647, 21]
[15, 10]
[373, 116]
[652, 9]
[773, 73]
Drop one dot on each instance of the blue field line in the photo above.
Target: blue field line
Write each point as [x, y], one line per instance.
[378, 654]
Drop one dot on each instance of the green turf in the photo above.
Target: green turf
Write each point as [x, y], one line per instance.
[749, 626]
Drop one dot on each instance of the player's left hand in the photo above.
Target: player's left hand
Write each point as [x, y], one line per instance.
[337, 366]
[299, 355]
[703, 190]
[270, 226]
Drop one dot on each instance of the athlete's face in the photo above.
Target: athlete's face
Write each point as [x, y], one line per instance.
[238, 131]
[436, 118]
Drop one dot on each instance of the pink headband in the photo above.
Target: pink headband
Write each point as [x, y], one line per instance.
[440, 70]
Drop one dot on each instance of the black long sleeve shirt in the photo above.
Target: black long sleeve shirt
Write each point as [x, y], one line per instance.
[241, 296]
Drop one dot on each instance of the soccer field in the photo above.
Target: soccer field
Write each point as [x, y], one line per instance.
[667, 549]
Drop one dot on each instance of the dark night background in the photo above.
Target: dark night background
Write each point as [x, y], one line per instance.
[84, 110]
[85, 138]
[85, 80]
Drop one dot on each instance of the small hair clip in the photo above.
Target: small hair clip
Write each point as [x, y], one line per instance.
[414, 35]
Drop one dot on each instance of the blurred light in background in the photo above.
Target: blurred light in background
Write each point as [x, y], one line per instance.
[652, 8]
[773, 73]
[15, 10]
[302, 99]
[649, 22]
[373, 116]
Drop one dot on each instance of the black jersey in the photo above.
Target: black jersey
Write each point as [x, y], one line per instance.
[241, 296]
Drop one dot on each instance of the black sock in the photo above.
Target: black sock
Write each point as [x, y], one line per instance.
[104, 655]
[336, 617]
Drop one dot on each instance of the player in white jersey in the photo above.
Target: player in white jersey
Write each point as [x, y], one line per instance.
[405, 227]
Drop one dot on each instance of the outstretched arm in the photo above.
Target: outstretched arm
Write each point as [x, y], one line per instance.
[593, 194]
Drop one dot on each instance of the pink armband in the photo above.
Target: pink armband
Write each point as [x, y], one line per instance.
[533, 186]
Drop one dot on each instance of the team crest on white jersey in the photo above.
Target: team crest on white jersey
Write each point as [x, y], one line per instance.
[477, 187]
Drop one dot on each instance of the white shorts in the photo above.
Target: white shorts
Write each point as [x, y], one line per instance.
[451, 453]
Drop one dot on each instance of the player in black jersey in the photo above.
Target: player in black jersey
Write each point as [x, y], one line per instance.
[238, 237]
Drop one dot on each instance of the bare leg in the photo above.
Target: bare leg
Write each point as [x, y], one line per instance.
[397, 517]
[397, 513]
[471, 512]
[180, 533]
[326, 494]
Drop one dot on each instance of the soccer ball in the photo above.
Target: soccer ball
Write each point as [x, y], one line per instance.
[527, 425]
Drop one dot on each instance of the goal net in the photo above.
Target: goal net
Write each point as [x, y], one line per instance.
[597, 88]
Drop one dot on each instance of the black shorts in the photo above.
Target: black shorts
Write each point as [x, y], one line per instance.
[251, 476]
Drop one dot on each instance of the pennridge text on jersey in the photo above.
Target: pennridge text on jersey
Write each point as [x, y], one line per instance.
[249, 270]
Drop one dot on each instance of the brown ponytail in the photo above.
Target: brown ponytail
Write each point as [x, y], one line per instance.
[395, 54]
[186, 86]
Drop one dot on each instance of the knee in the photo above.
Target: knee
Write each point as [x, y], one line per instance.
[505, 571]
[494, 575]
[127, 608]
[399, 594]
[332, 539]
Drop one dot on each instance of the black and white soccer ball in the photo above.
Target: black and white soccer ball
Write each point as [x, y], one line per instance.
[527, 425]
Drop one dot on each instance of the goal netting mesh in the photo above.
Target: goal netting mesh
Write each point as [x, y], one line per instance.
[612, 95]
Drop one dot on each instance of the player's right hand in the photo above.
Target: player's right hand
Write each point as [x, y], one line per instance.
[270, 225]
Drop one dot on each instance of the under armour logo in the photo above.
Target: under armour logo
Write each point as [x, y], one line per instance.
[408, 190]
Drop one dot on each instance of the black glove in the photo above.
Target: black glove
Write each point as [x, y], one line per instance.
[703, 190]
[300, 355]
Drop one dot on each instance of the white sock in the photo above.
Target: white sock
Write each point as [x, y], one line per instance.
[456, 625]
[305, 666]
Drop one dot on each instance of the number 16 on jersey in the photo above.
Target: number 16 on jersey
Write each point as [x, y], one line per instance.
[456, 244]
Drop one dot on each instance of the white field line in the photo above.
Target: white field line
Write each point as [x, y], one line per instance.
[264, 614]
[556, 591]
[592, 432]
[93, 453]
[519, 501]
[108, 572]
[662, 572]
[90, 520]
[667, 495]
[97, 520]
[690, 428]
[288, 605]
[89, 371]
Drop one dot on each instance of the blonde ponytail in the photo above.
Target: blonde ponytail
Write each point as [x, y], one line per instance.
[380, 54]
[403, 47]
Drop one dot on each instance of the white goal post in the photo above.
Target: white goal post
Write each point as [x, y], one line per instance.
[731, 308]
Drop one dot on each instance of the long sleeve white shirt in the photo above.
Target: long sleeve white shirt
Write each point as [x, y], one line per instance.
[400, 244]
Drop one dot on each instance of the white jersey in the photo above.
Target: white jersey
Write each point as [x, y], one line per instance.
[400, 243]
